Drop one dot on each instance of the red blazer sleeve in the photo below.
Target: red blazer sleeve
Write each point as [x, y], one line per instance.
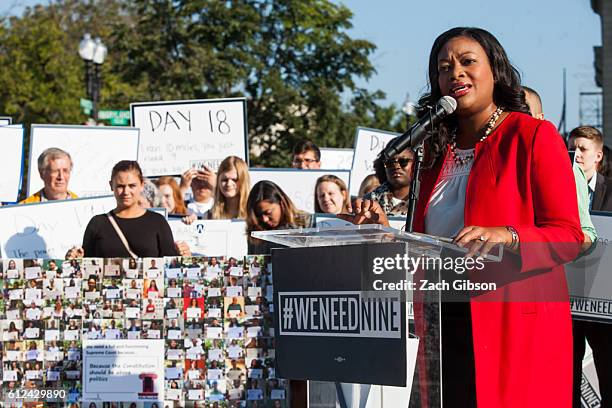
[555, 237]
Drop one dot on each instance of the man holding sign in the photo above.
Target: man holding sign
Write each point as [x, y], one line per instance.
[54, 167]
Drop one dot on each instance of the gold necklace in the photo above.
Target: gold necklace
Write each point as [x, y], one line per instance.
[453, 140]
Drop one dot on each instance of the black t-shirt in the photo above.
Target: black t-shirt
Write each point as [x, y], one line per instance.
[148, 236]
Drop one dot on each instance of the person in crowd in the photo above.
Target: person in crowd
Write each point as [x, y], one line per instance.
[534, 102]
[150, 196]
[147, 234]
[269, 208]
[54, 168]
[604, 167]
[306, 156]
[231, 190]
[369, 184]
[588, 142]
[202, 182]
[509, 159]
[331, 195]
[590, 235]
[171, 197]
[395, 175]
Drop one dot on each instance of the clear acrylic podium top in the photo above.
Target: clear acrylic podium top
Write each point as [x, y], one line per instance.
[419, 244]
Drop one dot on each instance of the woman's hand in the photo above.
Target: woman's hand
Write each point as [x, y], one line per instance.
[186, 179]
[75, 252]
[365, 212]
[207, 174]
[482, 239]
[189, 219]
[182, 248]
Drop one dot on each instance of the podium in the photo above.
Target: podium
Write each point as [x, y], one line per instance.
[343, 313]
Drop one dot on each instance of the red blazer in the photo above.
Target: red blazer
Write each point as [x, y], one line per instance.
[522, 177]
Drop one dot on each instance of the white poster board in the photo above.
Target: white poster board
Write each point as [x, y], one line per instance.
[94, 151]
[177, 135]
[49, 229]
[336, 159]
[589, 278]
[6, 120]
[11, 140]
[368, 144]
[212, 237]
[123, 370]
[298, 184]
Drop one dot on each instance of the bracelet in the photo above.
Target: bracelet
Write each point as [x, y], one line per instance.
[515, 237]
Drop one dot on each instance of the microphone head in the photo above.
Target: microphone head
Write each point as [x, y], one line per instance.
[448, 103]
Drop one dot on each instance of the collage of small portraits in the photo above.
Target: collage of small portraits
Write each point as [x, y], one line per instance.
[213, 314]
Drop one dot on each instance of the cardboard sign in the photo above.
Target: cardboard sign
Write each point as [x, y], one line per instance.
[212, 237]
[11, 139]
[368, 144]
[94, 151]
[178, 135]
[336, 159]
[48, 229]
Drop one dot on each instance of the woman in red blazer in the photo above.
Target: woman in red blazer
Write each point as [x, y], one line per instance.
[495, 175]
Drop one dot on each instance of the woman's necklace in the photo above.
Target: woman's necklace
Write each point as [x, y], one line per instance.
[453, 139]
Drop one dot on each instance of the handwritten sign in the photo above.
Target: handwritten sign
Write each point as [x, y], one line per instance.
[368, 144]
[11, 139]
[49, 229]
[182, 134]
[336, 159]
[299, 185]
[94, 151]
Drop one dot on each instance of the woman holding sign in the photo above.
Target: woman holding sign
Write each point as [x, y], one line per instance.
[128, 230]
[495, 175]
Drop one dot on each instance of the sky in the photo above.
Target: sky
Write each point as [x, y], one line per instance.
[541, 38]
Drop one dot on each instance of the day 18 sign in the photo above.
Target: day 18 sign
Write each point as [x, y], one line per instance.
[177, 135]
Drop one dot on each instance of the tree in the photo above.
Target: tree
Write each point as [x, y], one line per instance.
[293, 60]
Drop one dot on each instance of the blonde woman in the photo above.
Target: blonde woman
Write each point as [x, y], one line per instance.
[331, 195]
[232, 190]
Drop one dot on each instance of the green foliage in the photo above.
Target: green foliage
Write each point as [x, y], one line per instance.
[293, 60]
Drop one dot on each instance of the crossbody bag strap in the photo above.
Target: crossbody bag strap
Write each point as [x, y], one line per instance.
[121, 236]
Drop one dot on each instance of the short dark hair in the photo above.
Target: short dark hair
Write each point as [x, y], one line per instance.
[304, 146]
[127, 165]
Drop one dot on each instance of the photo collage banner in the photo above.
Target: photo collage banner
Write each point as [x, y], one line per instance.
[211, 316]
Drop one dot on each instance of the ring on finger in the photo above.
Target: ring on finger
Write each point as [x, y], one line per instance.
[482, 238]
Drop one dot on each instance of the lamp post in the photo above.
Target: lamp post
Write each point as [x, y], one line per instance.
[409, 108]
[93, 52]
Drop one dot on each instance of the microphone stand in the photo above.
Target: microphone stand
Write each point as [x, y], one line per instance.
[415, 187]
[415, 183]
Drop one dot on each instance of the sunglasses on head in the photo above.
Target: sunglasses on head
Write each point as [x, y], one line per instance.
[402, 161]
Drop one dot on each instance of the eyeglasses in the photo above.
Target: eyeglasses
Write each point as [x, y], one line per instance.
[402, 161]
[297, 162]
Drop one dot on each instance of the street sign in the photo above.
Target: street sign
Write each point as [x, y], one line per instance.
[87, 106]
[116, 117]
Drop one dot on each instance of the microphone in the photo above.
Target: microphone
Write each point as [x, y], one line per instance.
[420, 130]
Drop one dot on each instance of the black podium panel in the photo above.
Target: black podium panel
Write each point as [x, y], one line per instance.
[329, 323]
